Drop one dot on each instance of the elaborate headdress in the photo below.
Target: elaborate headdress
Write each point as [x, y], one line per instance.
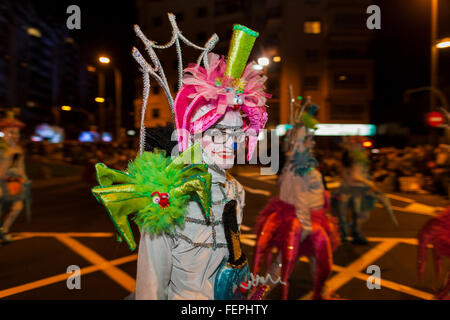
[217, 86]
[156, 188]
[303, 124]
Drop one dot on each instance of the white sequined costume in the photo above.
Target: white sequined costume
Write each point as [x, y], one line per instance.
[185, 266]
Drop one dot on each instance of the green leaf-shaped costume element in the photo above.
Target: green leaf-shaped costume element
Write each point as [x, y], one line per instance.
[150, 178]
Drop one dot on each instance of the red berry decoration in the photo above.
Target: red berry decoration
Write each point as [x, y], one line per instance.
[244, 287]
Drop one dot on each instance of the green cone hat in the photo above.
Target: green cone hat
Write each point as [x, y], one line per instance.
[241, 45]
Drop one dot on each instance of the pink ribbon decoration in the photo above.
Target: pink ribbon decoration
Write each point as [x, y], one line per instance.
[209, 87]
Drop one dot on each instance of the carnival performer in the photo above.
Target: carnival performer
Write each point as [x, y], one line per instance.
[298, 223]
[13, 189]
[436, 232]
[194, 252]
[357, 192]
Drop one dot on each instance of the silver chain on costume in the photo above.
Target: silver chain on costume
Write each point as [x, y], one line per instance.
[156, 70]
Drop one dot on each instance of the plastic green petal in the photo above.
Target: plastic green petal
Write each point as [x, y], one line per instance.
[201, 185]
[192, 155]
[241, 45]
[194, 169]
[126, 193]
[107, 176]
[121, 201]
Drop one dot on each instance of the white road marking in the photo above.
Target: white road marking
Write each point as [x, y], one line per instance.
[63, 276]
[249, 174]
[271, 179]
[98, 262]
[399, 198]
[68, 234]
[117, 275]
[356, 266]
[384, 283]
[245, 239]
[258, 191]
[419, 208]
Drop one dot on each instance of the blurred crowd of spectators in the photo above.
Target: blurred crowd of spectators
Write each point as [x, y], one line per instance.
[114, 155]
[420, 169]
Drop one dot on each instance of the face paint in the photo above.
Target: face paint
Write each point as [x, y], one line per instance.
[219, 142]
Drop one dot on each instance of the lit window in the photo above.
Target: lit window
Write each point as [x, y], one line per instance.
[34, 32]
[313, 27]
[349, 81]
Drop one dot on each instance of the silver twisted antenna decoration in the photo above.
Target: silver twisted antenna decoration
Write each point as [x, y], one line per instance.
[156, 70]
[296, 111]
[296, 108]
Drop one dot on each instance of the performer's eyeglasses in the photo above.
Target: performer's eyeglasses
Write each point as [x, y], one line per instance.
[221, 136]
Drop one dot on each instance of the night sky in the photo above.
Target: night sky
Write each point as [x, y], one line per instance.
[106, 28]
[402, 60]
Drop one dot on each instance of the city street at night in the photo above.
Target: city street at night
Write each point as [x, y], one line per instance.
[69, 228]
[233, 158]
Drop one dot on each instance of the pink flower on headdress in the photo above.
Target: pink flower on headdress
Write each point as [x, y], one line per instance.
[210, 87]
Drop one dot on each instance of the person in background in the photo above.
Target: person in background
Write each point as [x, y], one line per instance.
[13, 178]
[357, 192]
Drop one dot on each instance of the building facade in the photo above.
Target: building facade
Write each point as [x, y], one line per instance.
[325, 47]
[40, 65]
[319, 47]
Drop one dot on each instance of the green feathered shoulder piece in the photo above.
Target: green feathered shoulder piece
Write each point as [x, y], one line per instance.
[156, 189]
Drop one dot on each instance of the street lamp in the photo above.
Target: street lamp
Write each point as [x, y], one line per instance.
[443, 43]
[66, 108]
[118, 92]
[104, 60]
[263, 61]
[99, 99]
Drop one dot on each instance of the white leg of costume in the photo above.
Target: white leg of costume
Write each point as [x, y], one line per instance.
[275, 268]
[16, 209]
[305, 193]
[154, 267]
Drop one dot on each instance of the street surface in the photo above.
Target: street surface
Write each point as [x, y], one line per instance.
[70, 228]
